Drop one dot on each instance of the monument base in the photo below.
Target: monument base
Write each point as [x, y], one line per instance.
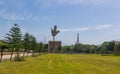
[54, 46]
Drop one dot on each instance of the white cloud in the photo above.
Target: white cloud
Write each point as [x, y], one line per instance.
[100, 27]
[14, 16]
[5, 14]
[75, 29]
[47, 3]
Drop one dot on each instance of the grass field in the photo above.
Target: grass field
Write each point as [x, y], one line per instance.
[64, 64]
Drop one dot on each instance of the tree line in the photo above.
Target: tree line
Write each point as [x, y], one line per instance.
[16, 42]
[111, 47]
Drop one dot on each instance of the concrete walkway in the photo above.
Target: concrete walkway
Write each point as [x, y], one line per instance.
[6, 57]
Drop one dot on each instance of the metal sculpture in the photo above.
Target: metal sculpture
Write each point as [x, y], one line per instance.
[54, 32]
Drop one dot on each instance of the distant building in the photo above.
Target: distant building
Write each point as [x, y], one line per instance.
[55, 48]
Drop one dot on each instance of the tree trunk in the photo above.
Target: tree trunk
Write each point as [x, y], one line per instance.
[33, 54]
[39, 52]
[11, 55]
[17, 53]
[24, 53]
[27, 53]
[1, 55]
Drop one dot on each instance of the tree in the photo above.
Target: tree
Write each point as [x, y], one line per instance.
[32, 44]
[116, 48]
[11, 49]
[94, 48]
[3, 46]
[59, 49]
[106, 47]
[40, 47]
[78, 48]
[111, 46]
[14, 38]
[26, 43]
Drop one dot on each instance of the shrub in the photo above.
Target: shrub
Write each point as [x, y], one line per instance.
[35, 55]
[19, 58]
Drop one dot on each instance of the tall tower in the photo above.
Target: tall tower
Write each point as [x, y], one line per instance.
[45, 40]
[77, 42]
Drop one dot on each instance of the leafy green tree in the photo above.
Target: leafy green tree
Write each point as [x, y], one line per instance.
[59, 49]
[111, 46]
[65, 49]
[33, 44]
[117, 48]
[45, 47]
[106, 47]
[3, 46]
[11, 49]
[26, 43]
[78, 48]
[40, 47]
[14, 38]
[94, 48]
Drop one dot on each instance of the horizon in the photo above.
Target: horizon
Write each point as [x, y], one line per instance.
[96, 21]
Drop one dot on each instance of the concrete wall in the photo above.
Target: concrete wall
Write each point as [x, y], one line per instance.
[57, 45]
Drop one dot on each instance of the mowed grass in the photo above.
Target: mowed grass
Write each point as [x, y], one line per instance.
[64, 64]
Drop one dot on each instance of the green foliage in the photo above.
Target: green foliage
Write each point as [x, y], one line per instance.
[78, 48]
[14, 37]
[65, 49]
[104, 48]
[19, 58]
[26, 43]
[33, 44]
[45, 48]
[3, 46]
[82, 48]
[110, 47]
[40, 47]
[117, 49]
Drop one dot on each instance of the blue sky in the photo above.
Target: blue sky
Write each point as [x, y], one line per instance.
[96, 21]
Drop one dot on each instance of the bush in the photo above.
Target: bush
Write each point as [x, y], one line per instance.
[35, 55]
[104, 54]
[19, 58]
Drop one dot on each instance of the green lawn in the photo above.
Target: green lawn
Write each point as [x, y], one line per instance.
[64, 64]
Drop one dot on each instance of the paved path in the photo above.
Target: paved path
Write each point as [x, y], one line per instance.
[6, 57]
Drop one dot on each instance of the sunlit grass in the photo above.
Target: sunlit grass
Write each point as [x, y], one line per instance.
[64, 64]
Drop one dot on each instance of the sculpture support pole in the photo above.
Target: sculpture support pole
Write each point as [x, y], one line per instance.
[53, 44]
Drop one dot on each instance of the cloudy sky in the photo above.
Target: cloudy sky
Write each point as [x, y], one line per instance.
[96, 21]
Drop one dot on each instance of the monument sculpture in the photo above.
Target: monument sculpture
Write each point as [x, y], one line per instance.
[54, 32]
